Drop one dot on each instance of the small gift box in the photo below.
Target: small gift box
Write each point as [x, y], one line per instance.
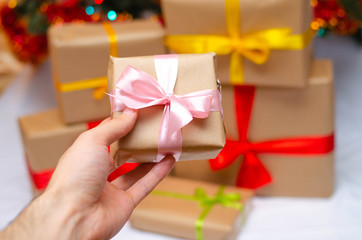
[193, 210]
[262, 43]
[79, 57]
[278, 138]
[179, 107]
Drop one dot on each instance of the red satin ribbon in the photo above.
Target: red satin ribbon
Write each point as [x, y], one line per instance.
[252, 173]
[121, 170]
[42, 178]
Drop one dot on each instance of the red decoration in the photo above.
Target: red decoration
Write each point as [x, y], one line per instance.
[31, 47]
[40, 179]
[121, 170]
[252, 173]
[330, 15]
[66, 13]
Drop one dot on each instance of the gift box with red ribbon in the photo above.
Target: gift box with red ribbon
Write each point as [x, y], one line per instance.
[45, 139]
[280, 141]
[79, 56]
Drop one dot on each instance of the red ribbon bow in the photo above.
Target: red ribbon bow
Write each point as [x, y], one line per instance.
[252, 173]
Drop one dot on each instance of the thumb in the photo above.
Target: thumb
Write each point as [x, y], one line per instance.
[114, 129]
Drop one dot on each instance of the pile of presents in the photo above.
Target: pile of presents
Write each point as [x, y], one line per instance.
[278, 108]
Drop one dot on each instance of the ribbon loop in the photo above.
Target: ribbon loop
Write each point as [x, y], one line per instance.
[136, 89]
[220, 198]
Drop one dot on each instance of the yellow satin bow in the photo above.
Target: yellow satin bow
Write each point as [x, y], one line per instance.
[99, 84]
[255, 46]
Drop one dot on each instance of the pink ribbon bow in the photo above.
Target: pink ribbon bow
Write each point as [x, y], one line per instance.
[136, 89]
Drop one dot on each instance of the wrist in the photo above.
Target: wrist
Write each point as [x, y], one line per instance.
[60, 216]
[46, 217]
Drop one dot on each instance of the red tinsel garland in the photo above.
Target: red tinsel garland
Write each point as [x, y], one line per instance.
[30, 47]
[329, 15]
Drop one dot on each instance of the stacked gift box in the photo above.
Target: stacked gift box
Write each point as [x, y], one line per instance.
[278, 101]
[79, 56]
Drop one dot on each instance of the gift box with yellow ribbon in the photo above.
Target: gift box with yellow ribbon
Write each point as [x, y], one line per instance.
[193, 210]
[261, 43]
[280, 141]
[79, 57]
[178, 102]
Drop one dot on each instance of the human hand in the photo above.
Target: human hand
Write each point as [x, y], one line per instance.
[79, 203]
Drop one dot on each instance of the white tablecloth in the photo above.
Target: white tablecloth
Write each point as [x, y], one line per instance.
[339, 217]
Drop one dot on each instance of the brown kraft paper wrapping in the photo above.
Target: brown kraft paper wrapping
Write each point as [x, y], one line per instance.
[201, 138]
[176, 217]
[45, 139]
[282, 114]
[183, 17]
[81, 51]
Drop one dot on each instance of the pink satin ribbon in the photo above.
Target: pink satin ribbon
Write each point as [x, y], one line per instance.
[136, 89]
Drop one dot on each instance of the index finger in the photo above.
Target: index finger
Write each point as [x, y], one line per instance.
[146, 184]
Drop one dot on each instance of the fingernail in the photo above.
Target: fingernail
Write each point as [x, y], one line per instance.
[169, 158]
[129, 111]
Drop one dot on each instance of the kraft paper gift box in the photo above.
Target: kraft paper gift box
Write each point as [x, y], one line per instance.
[261, 43]
[193, 210]
[279, 141]
[79, 57]
[45, 139]
[201, 138]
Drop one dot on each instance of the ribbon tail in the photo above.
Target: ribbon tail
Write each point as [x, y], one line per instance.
[174, 146]
[99, 92]
[236, 69]
[252, 173]
[226, 157]
[121, 170]
[168, 142]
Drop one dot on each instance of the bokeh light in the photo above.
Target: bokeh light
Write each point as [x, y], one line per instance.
[89, 10]
[12, 3]
[112, 15]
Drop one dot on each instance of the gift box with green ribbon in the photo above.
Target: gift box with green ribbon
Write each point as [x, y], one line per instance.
[79, 57]
[261, 43]
[193, 210]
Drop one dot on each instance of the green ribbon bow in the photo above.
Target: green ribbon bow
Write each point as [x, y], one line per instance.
[230, 200]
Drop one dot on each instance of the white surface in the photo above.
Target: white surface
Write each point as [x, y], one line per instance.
[339, 217]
